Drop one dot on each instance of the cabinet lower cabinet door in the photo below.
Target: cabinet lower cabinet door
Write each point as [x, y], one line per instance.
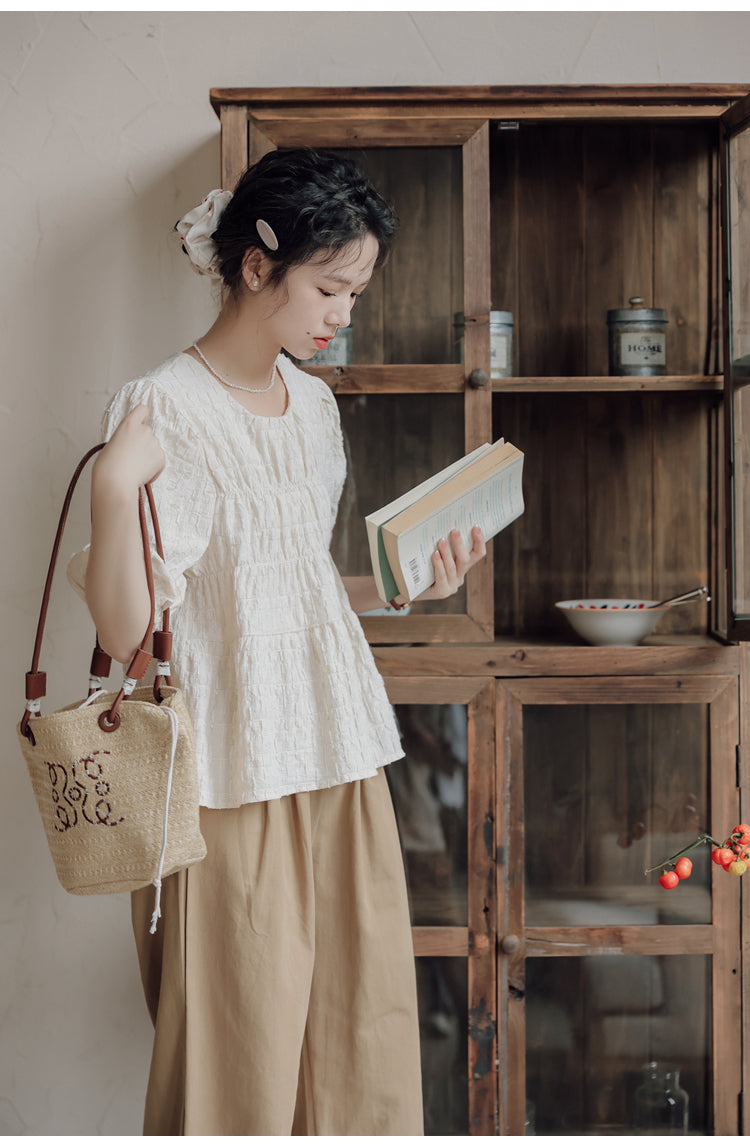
[443, 796]
[619, 1000]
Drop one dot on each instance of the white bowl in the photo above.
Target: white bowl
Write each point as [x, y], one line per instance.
[611, 620]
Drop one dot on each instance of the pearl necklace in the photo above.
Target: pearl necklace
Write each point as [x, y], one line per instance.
[236, 385]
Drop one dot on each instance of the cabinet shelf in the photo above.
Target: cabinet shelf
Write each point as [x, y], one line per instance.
[607, 384]
[449, 378]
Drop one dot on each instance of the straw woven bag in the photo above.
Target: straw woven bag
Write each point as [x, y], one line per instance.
[115, 775]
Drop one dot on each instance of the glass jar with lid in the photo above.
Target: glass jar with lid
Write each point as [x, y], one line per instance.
[637, 340]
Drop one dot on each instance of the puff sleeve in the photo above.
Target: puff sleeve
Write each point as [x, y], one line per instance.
[184, 492]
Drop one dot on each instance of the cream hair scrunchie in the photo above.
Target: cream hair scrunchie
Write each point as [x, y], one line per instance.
[196, 228]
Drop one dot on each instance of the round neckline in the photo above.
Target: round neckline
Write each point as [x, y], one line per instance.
[228, 394]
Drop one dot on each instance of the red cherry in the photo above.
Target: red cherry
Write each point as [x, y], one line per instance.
[669, 879]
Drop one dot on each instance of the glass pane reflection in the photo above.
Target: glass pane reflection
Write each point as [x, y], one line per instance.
[443, 1025]
[392, 442]
[611, 790]
[593, 1023]
[429, 789]
[406, 313]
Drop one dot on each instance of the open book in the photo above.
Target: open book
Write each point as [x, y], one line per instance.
[482, 489]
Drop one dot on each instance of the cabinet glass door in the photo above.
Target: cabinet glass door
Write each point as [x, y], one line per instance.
[413, 384]
[736, 217]
[443, 795]
[603, 972]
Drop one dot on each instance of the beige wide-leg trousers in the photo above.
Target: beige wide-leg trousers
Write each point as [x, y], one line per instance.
[281, 980]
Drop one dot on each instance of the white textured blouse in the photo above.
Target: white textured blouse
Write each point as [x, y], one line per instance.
[277, 674]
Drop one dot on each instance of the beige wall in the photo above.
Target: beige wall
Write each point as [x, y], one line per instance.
[106, 137]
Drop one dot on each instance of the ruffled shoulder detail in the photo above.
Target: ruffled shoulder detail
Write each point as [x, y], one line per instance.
[162, 390]
[185, 491]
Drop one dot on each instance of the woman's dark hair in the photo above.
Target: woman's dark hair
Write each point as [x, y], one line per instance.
[313, 200]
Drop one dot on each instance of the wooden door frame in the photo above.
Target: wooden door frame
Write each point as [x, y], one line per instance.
[476, 941]
[736, 119]
[720, 940]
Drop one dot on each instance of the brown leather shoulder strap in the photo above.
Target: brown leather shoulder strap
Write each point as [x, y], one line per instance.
[36, 680]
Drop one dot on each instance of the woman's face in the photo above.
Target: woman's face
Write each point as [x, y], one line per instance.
[316, 298]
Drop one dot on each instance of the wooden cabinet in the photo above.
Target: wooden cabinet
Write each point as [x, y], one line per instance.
[542, 775]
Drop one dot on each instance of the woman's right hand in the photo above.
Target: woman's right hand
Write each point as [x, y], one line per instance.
[133, 455]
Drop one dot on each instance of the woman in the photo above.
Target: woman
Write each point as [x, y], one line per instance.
[281, 979]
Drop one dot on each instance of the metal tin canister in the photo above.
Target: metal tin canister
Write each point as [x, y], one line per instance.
[501, 342]
[637, 340]
[337, 353]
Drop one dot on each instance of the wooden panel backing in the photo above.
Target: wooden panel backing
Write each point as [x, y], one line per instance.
[684, 242]
[681, 515]
[586, 216]
[620, 538]
[619, 228]
[552, 243]
[616, 493]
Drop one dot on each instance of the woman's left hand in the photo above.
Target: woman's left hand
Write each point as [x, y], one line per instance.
[451, 562]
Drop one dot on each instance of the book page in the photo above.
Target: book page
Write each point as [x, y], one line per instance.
[492, 506]
[384, 579]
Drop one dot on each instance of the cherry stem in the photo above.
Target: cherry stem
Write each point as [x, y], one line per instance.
[683, 852]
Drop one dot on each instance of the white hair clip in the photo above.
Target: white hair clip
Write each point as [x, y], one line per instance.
[267, 234]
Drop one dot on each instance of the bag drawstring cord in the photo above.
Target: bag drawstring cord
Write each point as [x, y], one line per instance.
[175, 723]
[157, 879]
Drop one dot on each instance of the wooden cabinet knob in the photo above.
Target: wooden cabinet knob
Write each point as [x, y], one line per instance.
[478, 379]
[510, 944]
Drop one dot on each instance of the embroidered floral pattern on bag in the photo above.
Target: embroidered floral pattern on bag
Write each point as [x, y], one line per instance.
[71, 795]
